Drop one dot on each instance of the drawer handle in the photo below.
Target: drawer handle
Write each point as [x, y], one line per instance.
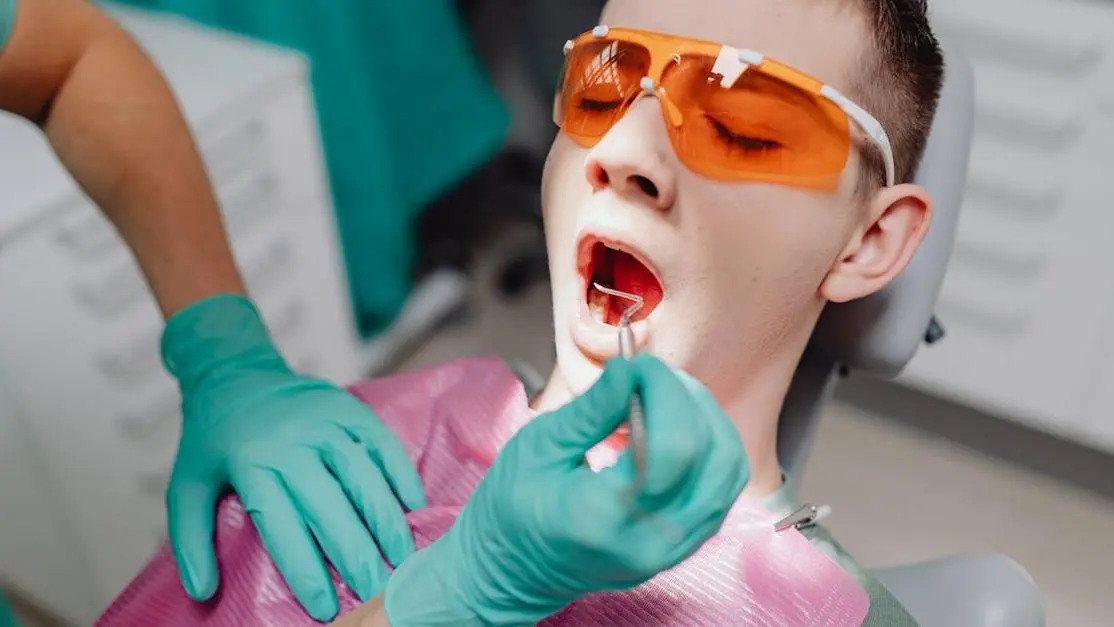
[999, 312]
[1012, 188]
[287, 321]
[248, 205]
[228, 154]
[123, 288]
[994, 258]
[153, 483]
[987, 321]
[1028, 47]
[269, 265]
[90, 237]
[144, 426]
[1106, 104]
[1010, 249]
[135, 363]
[1041, 131]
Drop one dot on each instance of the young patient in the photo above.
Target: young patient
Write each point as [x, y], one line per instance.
[734, 192]
[737, 272]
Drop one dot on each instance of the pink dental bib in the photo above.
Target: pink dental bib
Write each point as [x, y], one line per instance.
[453, 419]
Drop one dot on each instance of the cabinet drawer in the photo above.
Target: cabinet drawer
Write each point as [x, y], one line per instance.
[153, 423]
[1025, 298]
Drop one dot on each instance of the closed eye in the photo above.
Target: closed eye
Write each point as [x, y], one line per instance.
[589, 104]
[745, 142]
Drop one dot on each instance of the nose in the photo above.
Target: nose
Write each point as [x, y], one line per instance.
[631, 159]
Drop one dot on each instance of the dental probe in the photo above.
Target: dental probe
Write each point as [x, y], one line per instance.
[634, 418]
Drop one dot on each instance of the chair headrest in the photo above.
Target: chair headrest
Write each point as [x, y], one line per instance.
[881, 333]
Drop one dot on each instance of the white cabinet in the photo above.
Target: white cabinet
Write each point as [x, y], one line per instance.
[1028, 301]
[87, 406]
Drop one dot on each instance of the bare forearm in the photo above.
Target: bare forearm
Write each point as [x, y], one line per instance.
[370, 614]
[115, 125]
[118, 129]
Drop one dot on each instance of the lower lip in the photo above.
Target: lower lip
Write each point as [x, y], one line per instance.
[600, 341]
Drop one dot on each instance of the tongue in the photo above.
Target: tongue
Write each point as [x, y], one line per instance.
[631, 276]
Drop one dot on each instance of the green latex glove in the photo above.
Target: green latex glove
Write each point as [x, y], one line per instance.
[311, 464]
[543, 530]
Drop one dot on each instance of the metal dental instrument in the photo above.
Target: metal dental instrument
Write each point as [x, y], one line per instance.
[634, 418]
[805, 516]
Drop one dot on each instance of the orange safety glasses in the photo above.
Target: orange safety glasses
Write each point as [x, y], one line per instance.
[732, 115]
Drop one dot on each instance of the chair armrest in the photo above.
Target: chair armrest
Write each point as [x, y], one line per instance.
[972, 590]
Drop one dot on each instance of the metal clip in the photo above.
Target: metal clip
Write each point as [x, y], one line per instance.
[806, 516]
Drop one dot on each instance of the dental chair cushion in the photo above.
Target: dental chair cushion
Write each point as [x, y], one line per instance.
[880, 333]
[976, 590]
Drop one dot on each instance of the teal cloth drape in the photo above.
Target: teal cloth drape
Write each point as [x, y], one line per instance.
[7, 615]
[405, 109]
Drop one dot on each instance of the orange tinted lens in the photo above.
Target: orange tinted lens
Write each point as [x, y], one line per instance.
[740, 123]
[600, 79]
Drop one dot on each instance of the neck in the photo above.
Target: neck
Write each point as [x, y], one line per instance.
[754, 408]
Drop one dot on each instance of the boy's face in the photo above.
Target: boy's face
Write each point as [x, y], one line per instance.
[738, 271]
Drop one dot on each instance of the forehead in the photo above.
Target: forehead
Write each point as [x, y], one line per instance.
[822, 38]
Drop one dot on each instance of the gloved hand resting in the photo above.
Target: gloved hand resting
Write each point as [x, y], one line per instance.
[308, 461]
[542, 529]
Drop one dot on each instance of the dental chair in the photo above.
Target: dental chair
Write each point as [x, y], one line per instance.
[878, 336]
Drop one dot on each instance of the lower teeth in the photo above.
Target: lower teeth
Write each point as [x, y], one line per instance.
[598, 304]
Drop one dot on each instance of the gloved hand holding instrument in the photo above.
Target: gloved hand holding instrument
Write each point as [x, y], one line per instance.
[311, 463]
[543, 530]
[635, 421]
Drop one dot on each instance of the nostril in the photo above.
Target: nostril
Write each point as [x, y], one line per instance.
[597, 175]
[646, 185]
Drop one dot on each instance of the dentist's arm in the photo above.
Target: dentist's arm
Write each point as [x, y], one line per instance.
[114, 124]
[301, 454]
[370, 614]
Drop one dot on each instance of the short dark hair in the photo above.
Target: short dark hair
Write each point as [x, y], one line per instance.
[899, 82]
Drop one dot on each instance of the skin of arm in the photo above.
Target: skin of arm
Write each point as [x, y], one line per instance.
[115, 125]
[370, 614]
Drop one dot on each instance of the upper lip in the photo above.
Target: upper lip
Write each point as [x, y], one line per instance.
[588, 239]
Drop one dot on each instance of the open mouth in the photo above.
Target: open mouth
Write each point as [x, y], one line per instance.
[618, 270]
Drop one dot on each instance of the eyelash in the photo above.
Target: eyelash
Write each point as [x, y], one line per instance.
[744, 142]
[589, 104]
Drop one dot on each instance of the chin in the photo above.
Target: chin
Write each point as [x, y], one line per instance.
[576, 371]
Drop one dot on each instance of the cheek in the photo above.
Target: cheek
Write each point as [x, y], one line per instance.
[851, 179]
[758, 259]
[564, 191]
[775, 234]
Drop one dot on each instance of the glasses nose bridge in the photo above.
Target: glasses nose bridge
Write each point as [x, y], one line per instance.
[652, 88]
[651, 83]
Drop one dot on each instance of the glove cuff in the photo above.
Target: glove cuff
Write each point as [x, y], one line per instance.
[427, 590]
[417, 595]
[215, 331]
